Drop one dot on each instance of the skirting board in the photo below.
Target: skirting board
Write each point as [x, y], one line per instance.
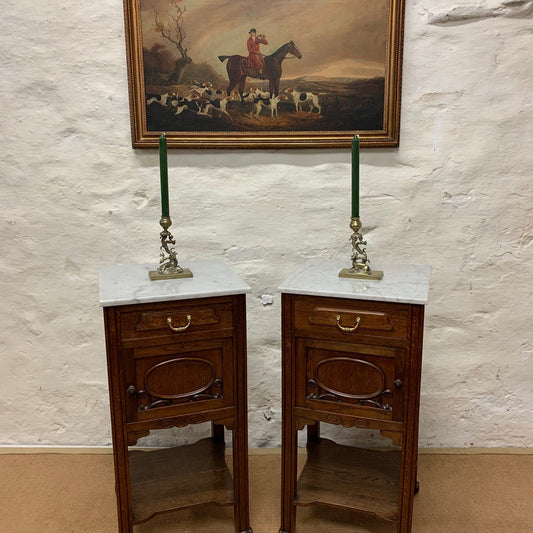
[105, 450]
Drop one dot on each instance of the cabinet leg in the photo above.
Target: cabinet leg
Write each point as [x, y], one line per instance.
[417, 483]
[217, 431]
[289, 432]
[240, 479]
[122, 485]
[288, 491]
[240, 427]
[289, 461]
[313, 432]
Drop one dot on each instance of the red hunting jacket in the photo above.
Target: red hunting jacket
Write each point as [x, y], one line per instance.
[255, 58]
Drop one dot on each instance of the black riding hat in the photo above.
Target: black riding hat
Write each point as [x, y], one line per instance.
[253, 30]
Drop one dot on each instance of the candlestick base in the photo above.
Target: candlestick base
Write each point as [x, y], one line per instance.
[168, 262]
[360, 267]
[185, 273]
[356, 274]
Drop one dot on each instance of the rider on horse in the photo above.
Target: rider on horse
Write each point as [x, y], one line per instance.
[255, 57]
[238, 70]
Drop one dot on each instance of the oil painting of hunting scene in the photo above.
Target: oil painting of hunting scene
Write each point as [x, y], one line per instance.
[271, 73]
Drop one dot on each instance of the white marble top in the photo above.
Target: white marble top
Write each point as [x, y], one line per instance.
[400, 283]
[130, 284]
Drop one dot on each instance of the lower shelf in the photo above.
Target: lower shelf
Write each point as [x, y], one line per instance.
[351, 478]
[176, 478]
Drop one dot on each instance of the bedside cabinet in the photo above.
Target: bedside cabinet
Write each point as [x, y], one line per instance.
[176, 353]
[351, 356]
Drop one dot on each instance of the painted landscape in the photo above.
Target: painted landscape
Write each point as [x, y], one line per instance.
[333, 79]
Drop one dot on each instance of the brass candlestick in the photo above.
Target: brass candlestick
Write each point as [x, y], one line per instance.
[360, 267]
[168, 263]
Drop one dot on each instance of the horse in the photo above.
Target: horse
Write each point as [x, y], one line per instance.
[238, 70]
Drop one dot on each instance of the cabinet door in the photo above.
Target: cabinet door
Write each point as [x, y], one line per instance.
[179, 378]
[354, 379]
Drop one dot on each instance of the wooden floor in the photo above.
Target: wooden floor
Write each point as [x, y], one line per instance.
[75, 494]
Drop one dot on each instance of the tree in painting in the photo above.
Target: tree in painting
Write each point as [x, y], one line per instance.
[173, 32]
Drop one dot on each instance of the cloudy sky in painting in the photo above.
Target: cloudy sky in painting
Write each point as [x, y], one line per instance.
[336, 37]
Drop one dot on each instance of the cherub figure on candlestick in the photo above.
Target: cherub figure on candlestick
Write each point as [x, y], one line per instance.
[168, 261]
[359, 256]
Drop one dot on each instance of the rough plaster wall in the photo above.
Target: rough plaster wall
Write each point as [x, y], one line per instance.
[456, 195]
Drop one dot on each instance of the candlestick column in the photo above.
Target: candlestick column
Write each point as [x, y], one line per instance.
[163, 169]
[355, 176]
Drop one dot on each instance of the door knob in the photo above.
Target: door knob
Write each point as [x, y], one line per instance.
[398, 383]
[131, 390]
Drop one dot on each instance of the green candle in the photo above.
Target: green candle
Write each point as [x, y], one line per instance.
[164, 174]
[355, 176]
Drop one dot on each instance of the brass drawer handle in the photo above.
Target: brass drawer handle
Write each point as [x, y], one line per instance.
[179, 328]
[346, 328]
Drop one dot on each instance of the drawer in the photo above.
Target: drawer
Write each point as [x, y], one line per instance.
[176, 379]
[342, 319]
[353, 379]
[175, 320]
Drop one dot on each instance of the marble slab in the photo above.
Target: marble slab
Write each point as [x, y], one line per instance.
[400, 283]
[130, 284]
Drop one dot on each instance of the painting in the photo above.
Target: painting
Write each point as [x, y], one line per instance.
[264, 74]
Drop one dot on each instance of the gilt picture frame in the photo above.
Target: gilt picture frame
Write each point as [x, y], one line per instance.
[264, 74]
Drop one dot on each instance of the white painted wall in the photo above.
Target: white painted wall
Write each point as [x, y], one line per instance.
[456, 195]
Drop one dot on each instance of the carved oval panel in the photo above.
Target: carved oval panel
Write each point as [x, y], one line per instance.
[350, 378]
[179, 378]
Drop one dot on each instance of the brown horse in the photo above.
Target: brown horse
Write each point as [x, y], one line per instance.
[238, 70]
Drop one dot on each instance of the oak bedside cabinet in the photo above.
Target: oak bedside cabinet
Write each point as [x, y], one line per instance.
[176, 353]
[351, 356]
